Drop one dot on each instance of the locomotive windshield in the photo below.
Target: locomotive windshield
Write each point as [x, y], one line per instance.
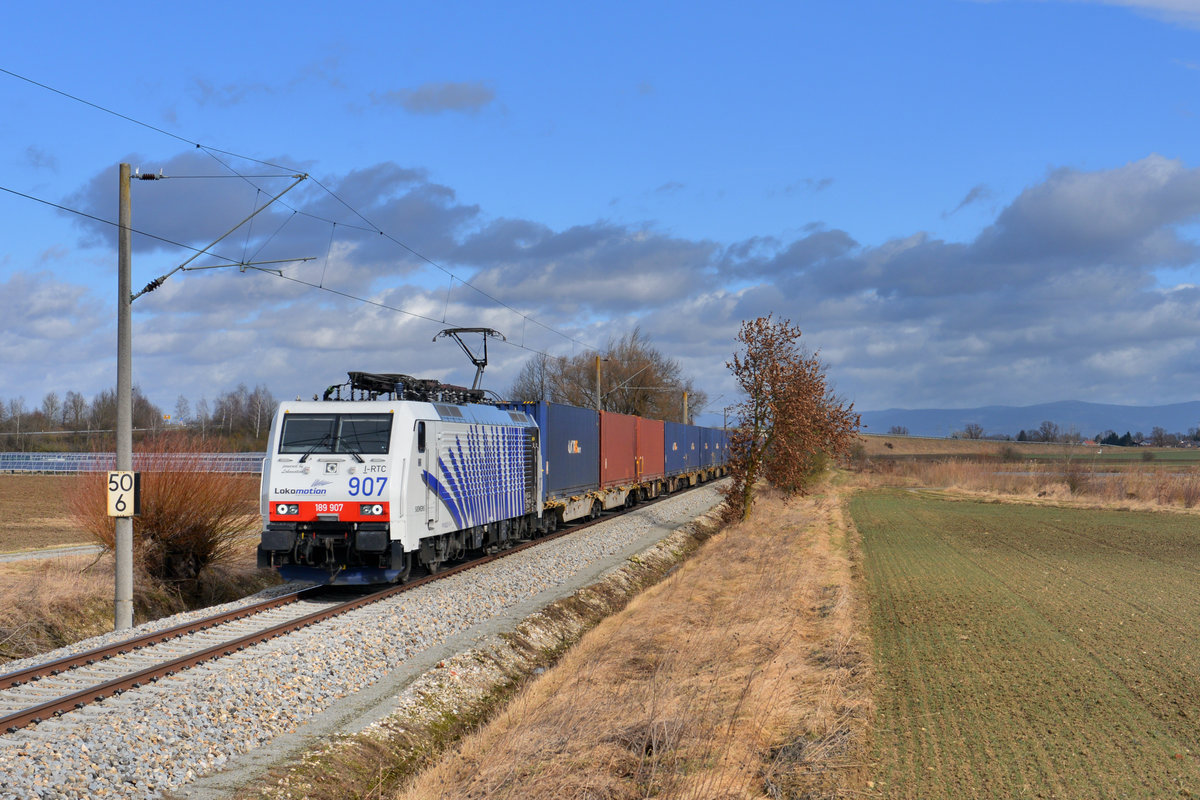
[336, 433]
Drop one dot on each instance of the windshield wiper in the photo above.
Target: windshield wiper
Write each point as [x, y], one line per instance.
[313, 449]
[342, 448]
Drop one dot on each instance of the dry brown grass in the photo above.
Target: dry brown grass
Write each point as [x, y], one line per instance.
[52, 602]
[742, 675]
[1131, 486]
[47, 603]
[876, 445]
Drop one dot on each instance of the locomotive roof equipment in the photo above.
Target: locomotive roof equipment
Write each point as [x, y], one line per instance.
[480, 362]
[394, 386]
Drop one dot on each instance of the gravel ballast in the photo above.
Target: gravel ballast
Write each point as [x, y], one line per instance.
[163, 737]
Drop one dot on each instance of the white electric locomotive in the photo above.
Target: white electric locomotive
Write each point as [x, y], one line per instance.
[358, 490]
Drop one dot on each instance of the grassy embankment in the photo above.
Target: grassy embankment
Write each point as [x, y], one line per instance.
[1028, 651]
[742, 672]
[48, 603]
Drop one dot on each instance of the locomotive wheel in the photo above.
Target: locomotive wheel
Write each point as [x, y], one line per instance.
[407, 571]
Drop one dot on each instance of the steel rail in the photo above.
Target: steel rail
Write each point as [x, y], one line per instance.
[58, 706]
[88, 657]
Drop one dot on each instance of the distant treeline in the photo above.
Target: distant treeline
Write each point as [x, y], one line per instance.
[1051, 432]
[237, 420]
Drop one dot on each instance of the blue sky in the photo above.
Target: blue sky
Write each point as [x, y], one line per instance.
[959, 203]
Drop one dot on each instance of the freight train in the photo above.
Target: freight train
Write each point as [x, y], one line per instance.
[404, 472]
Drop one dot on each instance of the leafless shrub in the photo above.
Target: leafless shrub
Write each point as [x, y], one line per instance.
[191, 518]
[791, 424]
[1165, 490]
[1189, 490]
[1078, 478]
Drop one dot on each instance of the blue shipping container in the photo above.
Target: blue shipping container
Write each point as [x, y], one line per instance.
[675, 448]
[709, 446]
[570, 447]
[693, 448]
[721, 452]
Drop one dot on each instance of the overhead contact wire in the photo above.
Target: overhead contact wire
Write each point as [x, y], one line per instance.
[211, 150]
[94, 218]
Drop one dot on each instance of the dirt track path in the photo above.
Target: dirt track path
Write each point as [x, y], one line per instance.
[52, 552]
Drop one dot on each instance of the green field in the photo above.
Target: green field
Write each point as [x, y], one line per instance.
[1030, 651]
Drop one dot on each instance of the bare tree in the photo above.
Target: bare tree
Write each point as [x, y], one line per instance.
[203, 416]
[51, 408]
[183, 410]
[635, 378]
[74, 410]
[102, 415]
[790, 424]
[1048, 431]
[973, 430]
[231, 409]
[533, 381]
[261, 407]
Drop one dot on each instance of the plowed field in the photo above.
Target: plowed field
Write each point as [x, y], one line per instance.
[34, 512]
[1032, 652]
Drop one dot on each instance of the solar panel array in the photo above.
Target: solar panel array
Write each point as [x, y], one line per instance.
[103, 462]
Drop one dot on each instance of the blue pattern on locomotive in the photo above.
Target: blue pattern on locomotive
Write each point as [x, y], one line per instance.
[483, 484]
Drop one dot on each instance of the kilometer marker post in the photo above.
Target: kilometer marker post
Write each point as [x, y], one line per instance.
[123, 544]
[123, 539]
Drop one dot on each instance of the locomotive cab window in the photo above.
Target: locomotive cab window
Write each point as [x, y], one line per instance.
[303, 433]
[336, 433]
[363, 433]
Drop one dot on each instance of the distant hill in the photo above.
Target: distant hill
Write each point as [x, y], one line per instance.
[1087, 419]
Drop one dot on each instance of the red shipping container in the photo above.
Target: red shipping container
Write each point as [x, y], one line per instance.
[650, 449]
[618, 449]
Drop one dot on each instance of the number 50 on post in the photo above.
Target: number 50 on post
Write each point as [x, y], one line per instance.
[124, 494]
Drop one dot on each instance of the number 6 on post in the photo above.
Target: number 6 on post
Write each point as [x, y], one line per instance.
[124, 494]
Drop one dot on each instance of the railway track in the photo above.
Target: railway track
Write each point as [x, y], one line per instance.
[236, 712]
[32, 695]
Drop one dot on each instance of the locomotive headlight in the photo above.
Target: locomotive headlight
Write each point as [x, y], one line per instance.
[377, 509]
[370, 510]
[284, 508]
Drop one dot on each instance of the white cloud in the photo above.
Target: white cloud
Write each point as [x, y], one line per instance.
[1057, 299]
[1184, 12]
